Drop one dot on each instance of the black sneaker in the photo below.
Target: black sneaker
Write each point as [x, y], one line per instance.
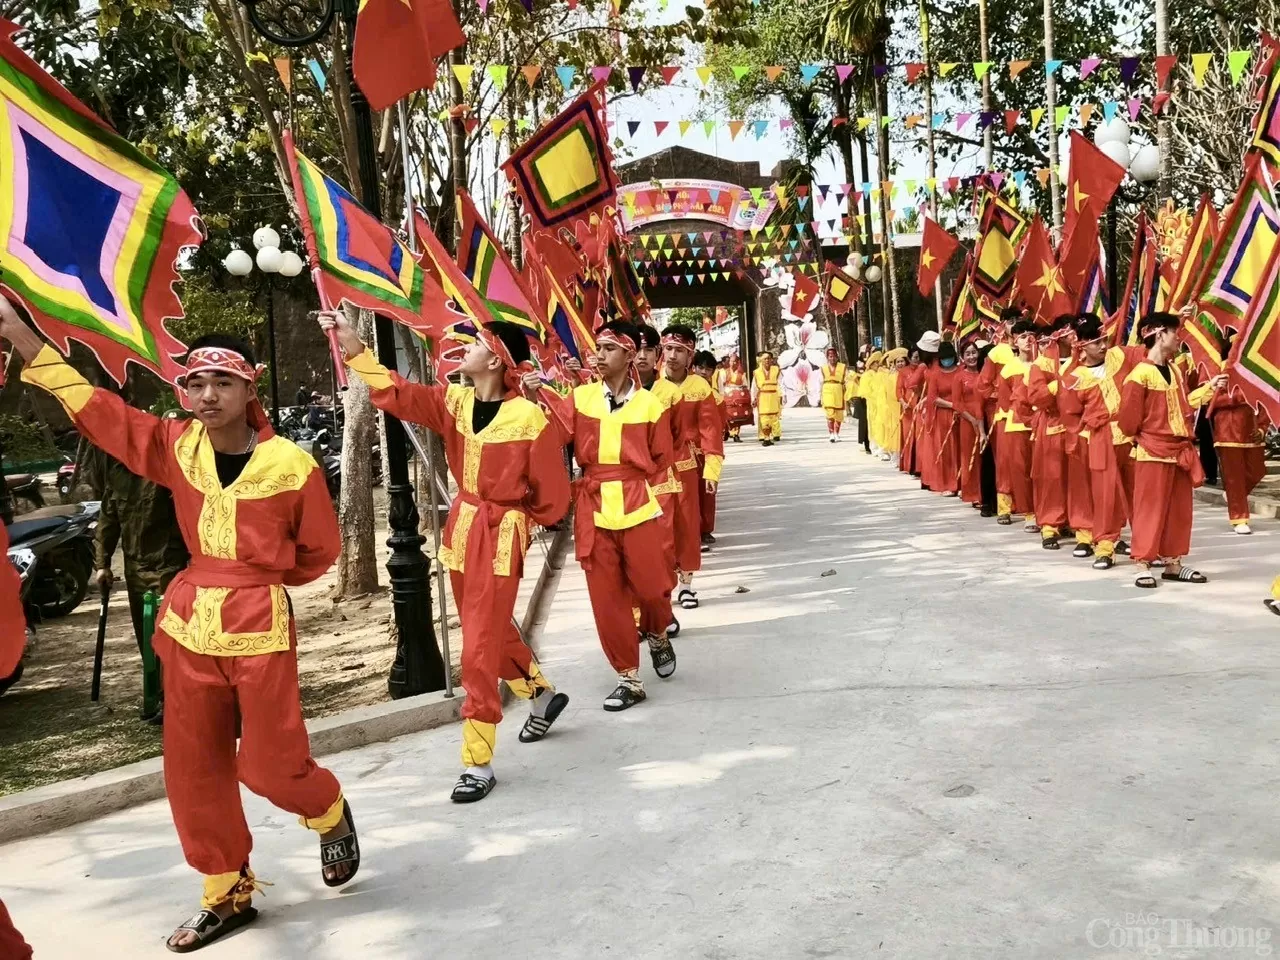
[663, 656]
[623, 698]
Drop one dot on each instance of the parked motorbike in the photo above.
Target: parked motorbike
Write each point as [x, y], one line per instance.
[52, 550]
[25, 486]
[66, 478]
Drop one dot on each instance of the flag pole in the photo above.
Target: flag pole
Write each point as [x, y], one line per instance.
[429, 447]
[931, 186]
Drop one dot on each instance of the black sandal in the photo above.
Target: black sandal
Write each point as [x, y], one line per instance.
[1122, 549]
[623, 698]
[1082, 550]
[1185, 575]
[673, 629]
[345, 849]
[1050, 543]
[1004, 520]
[471, 788]
[1103, 563]
[687, 599]
[208, 927]
[536, 727]
[1146, 581]
[663, 656]
[1273, 605]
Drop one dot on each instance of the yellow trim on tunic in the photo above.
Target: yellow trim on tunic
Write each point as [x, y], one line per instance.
[642, 408]
[204, 633]
[50, 372]
[371, 371]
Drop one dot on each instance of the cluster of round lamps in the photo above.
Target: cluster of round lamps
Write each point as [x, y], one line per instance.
[269, 257]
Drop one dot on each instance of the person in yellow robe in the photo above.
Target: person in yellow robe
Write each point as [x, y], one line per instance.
[835, 377]
[892, 428]
[768, 399]
[869, 391]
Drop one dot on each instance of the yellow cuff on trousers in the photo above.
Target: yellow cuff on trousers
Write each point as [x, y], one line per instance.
[221, 887]
[1031, 518]
[1085, 537]
[526, 688]
[478, 741]
[1238, 521]
[1048, 530]
[1275, 588]
[327, 820]
[1104, 548]
[1004, 504]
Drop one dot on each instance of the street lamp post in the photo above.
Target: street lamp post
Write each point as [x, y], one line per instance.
[1142, 162]
[418, 667]
[270, 260]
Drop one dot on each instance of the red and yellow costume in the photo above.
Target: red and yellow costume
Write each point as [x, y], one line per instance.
[697, 431]
[617, 530]
[834, 380]
[1048, 446]
[706, 492]
[225, 631]
[1157, 413]
[768, 402]
[667, 486]
[1241, 460]
[511, 476]
[1091, 398]
[969, 398]
[1013, 433]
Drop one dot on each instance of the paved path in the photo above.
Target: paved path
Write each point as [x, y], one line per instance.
[954, 746]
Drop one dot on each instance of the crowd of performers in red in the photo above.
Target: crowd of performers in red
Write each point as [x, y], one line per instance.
[1057, 429]
[646, 429]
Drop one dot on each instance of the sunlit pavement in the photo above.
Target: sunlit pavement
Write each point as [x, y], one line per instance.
[954, 745]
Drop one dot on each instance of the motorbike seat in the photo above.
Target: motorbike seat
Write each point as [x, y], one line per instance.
[22, 531]
[19, 479]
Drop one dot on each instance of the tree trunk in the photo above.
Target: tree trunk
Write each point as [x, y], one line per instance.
[984, 47]
[358, 562]
[1051, 98]
[864, 244]
[889, 276]
[932, 186]
[1164, 140]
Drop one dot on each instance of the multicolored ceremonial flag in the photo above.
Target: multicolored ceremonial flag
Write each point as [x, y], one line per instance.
[90, 227]
[937, 247]
[1092, 182]
[560, 307]
[1235, 273]
[356, 258]
[485, 263]
[564, 172]
[842, 290]
[995, 260]
[1196, 253]
[1040, 281]
[397, 43]
[962, 315]
[1266, 121]
[1253, 366]
[627, 300]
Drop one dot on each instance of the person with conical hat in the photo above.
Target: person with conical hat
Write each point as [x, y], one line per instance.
[768, 400]
[835, 376]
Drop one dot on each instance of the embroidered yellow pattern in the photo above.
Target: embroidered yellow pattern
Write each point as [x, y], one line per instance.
[203, 633]
[454, 556]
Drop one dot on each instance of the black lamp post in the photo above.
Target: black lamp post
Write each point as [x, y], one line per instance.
[418, 667]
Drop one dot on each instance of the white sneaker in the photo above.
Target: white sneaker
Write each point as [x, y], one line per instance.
[1243, 529]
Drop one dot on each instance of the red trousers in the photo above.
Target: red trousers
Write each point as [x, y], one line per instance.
[203, 770]
[688, 519]
[12, 946]
[1109, 500]
[626, 566]
[1124, 463]
[1013, 468]
[668, 520]
[1161, 518]
[970, 464]
[1079, 490]
[1242, 468]
[1049, 480]
[707, 508]
[945, 472]
[491, 646]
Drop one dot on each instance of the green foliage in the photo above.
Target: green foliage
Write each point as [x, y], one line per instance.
[24, 441]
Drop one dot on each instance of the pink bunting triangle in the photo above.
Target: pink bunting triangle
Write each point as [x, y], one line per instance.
[1088, 65]
[1135, 108]
[843, 71]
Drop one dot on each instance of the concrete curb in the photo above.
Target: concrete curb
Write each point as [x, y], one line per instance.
[1258, 506]
[64, 804]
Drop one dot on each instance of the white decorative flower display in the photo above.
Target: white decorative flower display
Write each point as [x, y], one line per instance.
[804, 340]
[801, 380]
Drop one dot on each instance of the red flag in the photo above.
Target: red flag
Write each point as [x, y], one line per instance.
[805, 296]
[1078, 256]
[1040, 278]
[396, 46]
[936, 248]
[842, 290]
[1124, 322]
[1094, 179]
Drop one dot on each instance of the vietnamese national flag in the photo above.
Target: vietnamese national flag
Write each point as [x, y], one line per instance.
[936, 248]
[397, 43]
[1040, 279]
[1093, 181]
[805, 296]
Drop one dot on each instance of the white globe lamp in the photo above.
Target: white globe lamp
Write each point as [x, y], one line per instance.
[238, 263]
[265, 237]
[290, 264]
[270, 259]
[1114, 130]
[873, 273]
[1146, 164]
[1117, 150]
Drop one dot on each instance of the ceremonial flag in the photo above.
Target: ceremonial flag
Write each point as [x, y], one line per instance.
[486, 265]
[627, 300]
[1196, 254]
[995, 261]
[560, 307]
[842, 290]
[355, 257]
[1093, 180]
[90, 227]
[1234, 275]
[1040, 279]
[1266, 122]
[397, 43]
[564, 171]
[805, 295]
[1253, 367]
[1124, 320]
[1080, 258]
[937, 246]
[962, 315]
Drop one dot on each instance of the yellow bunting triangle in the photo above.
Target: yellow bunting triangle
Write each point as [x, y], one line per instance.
[704, 74]
[497, 125]
[944, 69]
[463, 72]
[498, 74]
[1200, 63]
[1037, 114]
[863, 123]
[684, 126]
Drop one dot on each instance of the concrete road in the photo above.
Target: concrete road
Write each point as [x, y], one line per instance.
[954, 745]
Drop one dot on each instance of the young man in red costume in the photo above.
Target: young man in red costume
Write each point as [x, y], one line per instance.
[704, 365]
[1156, 409]
[698, 432]
[1090, 401]
[1013, 426]
[1237, 440]
[508, 462]
[1049, 436]
[667, 486]
[622, 440]
[13, 640]
[256, 516]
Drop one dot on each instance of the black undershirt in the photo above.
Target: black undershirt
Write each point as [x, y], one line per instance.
[1164, 372]
[483, 412]
[230, 466]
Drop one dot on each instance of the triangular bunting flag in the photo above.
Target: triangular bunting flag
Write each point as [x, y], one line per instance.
[463, 72]
[808, 72]
[669, 74]
[740, 71]
[772, 73]
[636, 76]
[1037, 114]
[1088, 65]
[566, 73]
[531, 73]
[659, 126]
[944, 69]
[844, 71]
[498, 74]
[1237, 60]
[704, 74]
[1016, 67]
[1200, 66]
[1051, 67]
[980, 69]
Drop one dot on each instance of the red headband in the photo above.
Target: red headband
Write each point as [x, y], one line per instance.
[675, 340]
[617, 339]
[219, 360]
